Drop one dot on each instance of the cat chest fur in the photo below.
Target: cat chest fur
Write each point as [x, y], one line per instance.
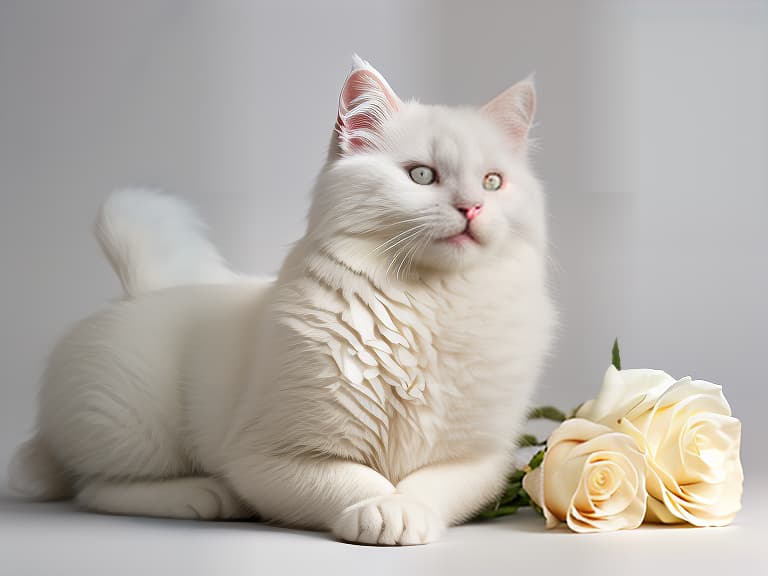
[385, 369]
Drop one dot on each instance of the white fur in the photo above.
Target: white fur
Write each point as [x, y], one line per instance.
[154, 241]
[374, 389]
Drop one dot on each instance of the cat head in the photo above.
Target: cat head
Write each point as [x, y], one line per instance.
[411, 187]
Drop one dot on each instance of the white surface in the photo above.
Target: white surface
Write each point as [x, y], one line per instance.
[40, 539]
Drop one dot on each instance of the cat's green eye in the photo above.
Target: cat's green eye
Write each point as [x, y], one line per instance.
[423, 175]
[492, 181]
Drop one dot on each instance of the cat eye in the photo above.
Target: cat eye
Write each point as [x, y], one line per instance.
[423, 175]
[492, 181]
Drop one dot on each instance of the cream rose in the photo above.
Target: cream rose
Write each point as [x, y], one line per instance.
[690, 440]
[592, 478]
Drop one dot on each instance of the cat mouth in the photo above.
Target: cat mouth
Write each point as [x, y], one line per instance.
[461, 238]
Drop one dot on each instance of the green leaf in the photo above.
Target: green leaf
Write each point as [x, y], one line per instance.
[514, 496]
[527, 440]
[500, 511]
[512, 491]
[516, 476]
[615, 355]
[537, 459]
[546, 413]
[524, 500]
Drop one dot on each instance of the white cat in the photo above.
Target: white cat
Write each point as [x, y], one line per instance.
[374, 389]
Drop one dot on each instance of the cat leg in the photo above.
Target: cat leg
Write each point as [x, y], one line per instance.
[201, 498]
[352, 500]
[457, 489]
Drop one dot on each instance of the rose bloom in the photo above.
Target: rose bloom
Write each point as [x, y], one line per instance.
[592, 478]
[690, 440]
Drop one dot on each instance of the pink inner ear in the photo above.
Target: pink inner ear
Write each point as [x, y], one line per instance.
[358, 85]
[365, 102]
[362, 83]
[513, 110]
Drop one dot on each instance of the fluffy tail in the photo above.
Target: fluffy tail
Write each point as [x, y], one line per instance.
[155, 241]
[34, 474]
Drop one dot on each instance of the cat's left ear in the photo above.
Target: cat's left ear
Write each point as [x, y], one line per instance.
[366, 102]
[513, 110]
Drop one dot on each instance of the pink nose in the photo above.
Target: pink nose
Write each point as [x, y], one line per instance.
[470, 212]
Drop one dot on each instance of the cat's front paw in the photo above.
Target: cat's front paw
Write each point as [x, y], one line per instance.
[393, 520]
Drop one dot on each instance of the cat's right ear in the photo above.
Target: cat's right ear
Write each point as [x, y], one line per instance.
[366, 102]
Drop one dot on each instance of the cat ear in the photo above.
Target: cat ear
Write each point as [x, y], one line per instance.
[513, 110]
[366, 102]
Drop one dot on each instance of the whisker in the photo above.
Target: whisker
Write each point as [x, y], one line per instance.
[393, 262]
[401, 251]
[409, 257]
[405, 259]
[414, 232]
[405, 232]
[421, 247]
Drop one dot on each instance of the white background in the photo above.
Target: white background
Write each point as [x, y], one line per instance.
[652, 121]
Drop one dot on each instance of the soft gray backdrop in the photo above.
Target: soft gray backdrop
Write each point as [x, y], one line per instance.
[652, 120]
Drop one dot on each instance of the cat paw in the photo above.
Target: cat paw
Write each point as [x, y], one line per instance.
[393, 520]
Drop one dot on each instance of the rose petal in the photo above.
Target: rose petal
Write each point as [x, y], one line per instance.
[533, 484]
[624, 391]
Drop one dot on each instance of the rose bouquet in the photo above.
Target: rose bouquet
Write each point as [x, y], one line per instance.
[647, 448]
